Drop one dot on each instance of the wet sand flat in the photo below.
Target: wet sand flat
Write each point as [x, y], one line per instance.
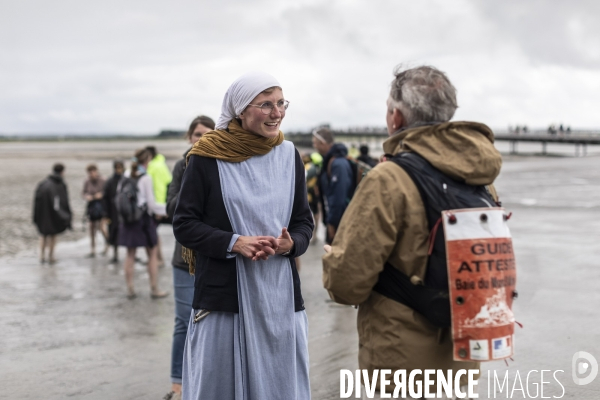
[24, 164]
[69, 332]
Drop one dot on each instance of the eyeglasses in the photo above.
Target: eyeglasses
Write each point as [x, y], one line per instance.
[267, 107]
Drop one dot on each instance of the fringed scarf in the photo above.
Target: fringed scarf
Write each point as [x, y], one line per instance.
[234, 144]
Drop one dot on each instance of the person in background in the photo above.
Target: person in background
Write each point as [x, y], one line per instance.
[365, 157]
[312, 189]
[183, 282]
[142, 233]
[160, 174]
[161, 178]
[336, 181]
[51, 211]
[93, 190]
[110, 207]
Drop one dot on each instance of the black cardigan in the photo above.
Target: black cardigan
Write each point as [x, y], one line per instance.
[201, 223]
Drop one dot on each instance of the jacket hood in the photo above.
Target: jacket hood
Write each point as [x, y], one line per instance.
[338, 150]
[462, 150]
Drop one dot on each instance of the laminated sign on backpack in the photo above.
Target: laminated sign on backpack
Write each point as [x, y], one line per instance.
[471, 273]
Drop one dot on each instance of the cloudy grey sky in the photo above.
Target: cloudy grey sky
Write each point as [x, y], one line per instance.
[141, 66]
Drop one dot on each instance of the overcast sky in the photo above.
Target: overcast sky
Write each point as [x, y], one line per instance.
[141, 66]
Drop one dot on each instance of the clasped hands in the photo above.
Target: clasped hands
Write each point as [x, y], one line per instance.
[262, 247]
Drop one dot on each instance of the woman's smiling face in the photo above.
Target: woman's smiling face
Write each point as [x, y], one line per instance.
[267, 125]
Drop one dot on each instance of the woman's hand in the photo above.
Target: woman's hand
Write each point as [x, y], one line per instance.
[285, 242]
[255, 247]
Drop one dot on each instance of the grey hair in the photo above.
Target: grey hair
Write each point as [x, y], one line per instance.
[422, 94]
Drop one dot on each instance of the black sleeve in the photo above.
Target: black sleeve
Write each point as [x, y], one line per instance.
[174, 187]
[301, 223]
[201, 176]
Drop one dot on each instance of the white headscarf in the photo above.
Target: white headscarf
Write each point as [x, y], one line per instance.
[241, 93]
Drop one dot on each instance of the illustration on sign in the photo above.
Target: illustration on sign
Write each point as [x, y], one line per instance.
[482, 280]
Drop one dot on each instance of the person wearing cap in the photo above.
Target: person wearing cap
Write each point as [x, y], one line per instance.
[336, 180]
[242, 218]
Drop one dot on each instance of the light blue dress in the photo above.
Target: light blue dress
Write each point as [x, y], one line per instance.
[262, 352]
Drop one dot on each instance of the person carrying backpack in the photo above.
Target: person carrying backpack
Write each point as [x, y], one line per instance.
[137, 211]
[386, 225]
[336, 180]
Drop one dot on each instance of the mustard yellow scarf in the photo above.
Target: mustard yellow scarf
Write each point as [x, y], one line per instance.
[232, 145]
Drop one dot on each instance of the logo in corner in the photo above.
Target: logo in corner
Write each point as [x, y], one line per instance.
[584, 363]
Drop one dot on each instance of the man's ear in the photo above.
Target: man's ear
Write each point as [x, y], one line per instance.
[398, 119]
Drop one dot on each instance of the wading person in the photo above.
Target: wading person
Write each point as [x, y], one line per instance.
[51, 211]
[93, 190]
[183, 282]
[110, 207]
[386, 223]
[244, 214]
[141, 231]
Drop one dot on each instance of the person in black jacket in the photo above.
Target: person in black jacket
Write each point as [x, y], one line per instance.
[365, 157]
[183, 282]
[243, 215]
[110, 207]
[51, 212]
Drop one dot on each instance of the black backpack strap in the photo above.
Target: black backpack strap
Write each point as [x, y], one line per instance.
[438, 192]
[433, 304]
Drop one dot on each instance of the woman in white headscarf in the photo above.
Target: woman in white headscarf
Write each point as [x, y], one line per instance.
[243, 217]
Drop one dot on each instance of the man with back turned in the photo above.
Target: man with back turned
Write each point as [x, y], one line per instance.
[386, 222]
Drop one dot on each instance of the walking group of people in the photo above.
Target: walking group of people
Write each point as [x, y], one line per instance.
[242, 212]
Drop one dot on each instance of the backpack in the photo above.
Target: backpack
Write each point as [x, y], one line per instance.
[126, 201]
[359, 170]
[95, 210]
[438, 193]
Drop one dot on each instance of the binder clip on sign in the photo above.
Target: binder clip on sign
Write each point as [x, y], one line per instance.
[482, 279]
